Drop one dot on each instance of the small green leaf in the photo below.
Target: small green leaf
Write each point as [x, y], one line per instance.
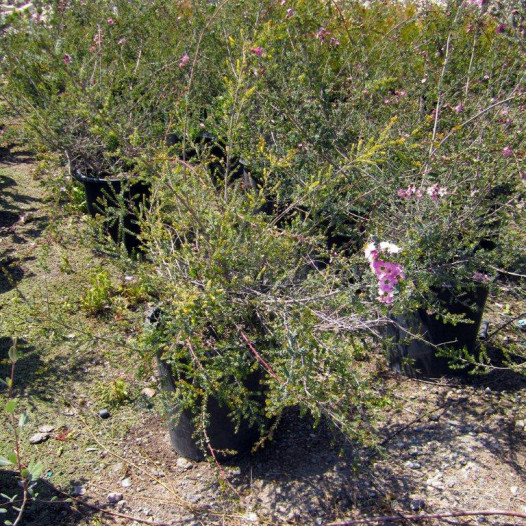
[3, 510]
[24, 473]
[12, 457]
[13, 355]
[35, 470]
[8, 523]
[10, 407]
[5, 462]
[23, 420]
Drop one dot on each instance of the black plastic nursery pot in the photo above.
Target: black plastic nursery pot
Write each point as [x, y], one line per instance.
[221, 431]
[416, 336]
[106, 195]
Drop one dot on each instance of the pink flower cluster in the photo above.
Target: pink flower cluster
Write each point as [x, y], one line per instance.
[323, 36]
[434, 191]
[388, 273]
[184, 60]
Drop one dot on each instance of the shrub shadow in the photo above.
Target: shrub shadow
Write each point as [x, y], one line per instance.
[320, 471]
[41, 511]
[36, 379]
[11, 273]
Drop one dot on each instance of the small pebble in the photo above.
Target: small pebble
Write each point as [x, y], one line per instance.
[183, 463]
[104, 413]
[126, 483]
[149, 392]
[412, 465]
[37, 438]
[113, 498]
[79, 490]
[46, 429]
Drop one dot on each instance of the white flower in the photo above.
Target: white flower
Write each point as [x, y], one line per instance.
[389, 247]
[370, 251]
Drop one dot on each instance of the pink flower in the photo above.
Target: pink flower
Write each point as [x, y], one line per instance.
[380, 267]
[459, 108]
[92, 48]
[290, 12]
[184, 60]
[322, 34]
[386, 284]
[435, 191]
[500, 28]
[409, 192]
[110, 21]
[388, 273]
[257, 50]
[67, 59]
[386, 298]
[334, 42]
[507, 151]
[388, 270]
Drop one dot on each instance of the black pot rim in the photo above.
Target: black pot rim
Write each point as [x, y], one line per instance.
[79, 176]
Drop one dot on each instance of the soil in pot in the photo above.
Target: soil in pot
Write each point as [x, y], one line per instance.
[417, 337]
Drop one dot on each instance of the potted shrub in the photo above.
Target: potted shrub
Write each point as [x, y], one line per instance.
[103, 84]
[449, 193]
[242, 331]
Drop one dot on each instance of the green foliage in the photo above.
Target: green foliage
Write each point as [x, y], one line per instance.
[301, 134]
[113, 393]
[99, 294]
[28, 475]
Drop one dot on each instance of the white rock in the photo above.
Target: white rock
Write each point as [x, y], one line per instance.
[79, 490]
[37, 438]
[514, 490]
[251, 517]
[113, 498]
[126, 483]
[183, 463]
[46, 428]
[149, 392]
